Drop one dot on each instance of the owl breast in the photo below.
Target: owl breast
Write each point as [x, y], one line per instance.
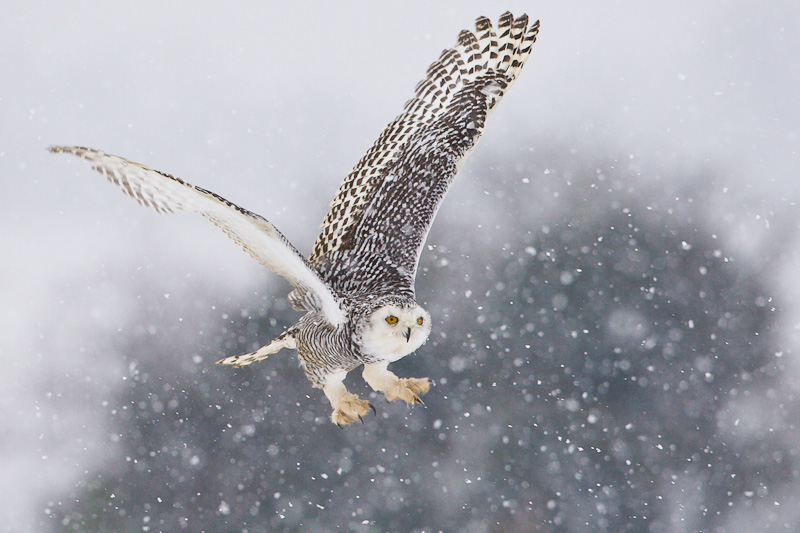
[324, 349]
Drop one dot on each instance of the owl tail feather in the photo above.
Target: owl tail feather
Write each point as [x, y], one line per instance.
[284, 340]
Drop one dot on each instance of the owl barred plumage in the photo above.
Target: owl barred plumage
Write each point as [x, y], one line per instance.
[357, 287]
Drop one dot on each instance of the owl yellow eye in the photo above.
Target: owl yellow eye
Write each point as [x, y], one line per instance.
[391, 319]
[419, 321]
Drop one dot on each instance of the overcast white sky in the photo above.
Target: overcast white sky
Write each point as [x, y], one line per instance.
[270, 106]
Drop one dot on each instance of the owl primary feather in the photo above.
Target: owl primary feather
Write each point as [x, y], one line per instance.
[357, 286]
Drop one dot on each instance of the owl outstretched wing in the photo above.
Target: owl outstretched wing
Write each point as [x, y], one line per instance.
[257, 236]
[373, 235]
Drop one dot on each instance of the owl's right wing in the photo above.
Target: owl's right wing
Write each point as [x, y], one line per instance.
[257, 236]
[373, 234]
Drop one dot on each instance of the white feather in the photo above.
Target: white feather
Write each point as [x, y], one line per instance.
[257, 236]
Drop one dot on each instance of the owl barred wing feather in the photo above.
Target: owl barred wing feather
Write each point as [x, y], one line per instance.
[257, 236]
[372, 237]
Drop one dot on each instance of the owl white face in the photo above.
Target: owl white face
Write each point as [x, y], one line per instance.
[393, 331]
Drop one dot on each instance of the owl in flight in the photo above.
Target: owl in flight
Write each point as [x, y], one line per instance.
[357, 287]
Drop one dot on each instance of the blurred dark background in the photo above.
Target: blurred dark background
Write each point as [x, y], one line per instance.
[611, 278]
[590, 372]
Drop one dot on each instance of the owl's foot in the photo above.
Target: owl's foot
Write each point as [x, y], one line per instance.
[383, 380]
[347, 407]
[408, 389]
[350, 409]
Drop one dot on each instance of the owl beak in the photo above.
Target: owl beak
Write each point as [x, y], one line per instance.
[407, 334]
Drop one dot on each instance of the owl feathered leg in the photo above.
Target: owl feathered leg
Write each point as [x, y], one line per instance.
[284, 340]
[381, 379]
[347, 407]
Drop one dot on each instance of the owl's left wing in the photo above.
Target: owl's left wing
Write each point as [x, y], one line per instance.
[373, 235]
[257, 236]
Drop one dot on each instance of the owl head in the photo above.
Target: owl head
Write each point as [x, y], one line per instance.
[394, 327]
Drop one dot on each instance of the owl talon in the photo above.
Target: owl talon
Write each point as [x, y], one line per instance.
[348, 410]
[374, 412]
[409, 390]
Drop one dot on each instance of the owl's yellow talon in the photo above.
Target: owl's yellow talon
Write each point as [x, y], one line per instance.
[408, 390]
[349, 410]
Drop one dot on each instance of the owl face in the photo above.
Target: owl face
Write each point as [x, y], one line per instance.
[394, 331]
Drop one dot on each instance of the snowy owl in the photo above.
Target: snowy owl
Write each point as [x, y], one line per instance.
[357, 287]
